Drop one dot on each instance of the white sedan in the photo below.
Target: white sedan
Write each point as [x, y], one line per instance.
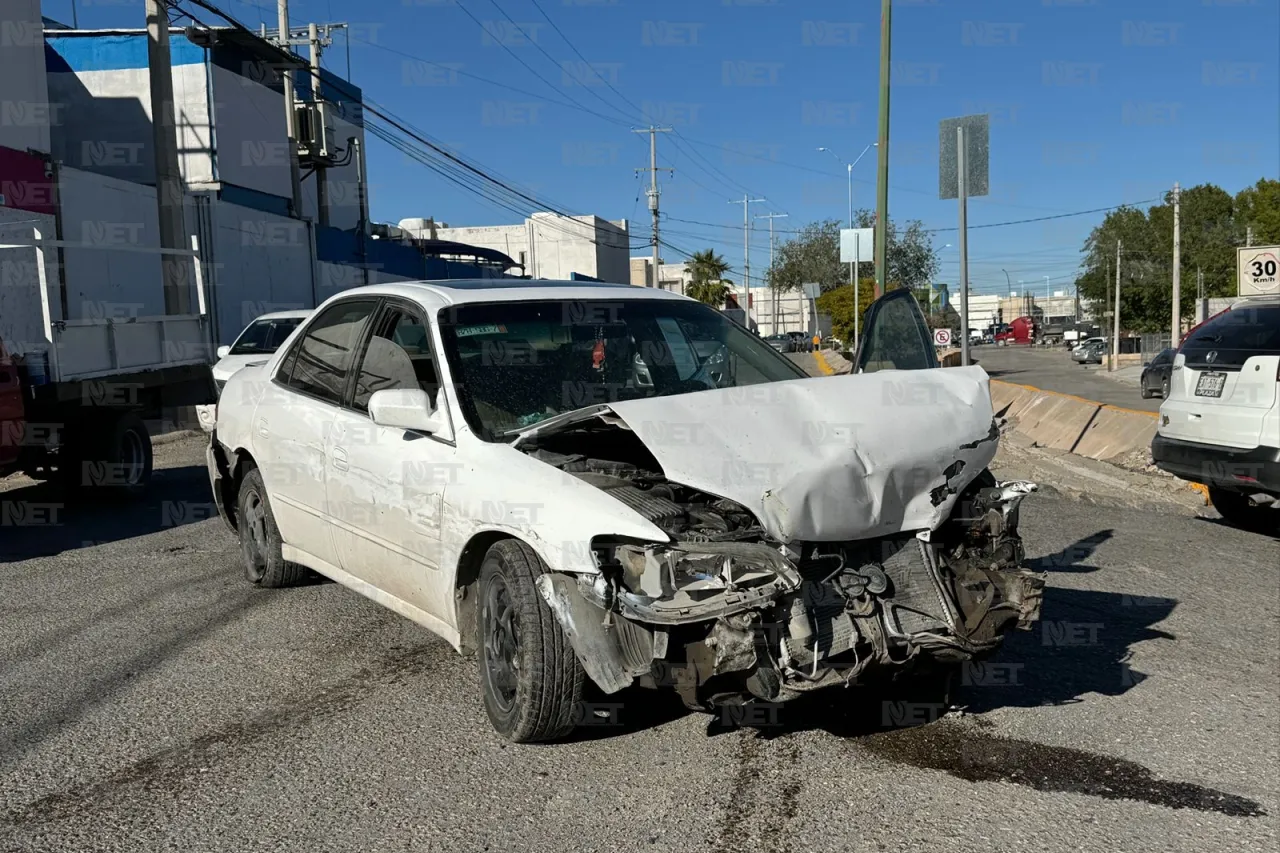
[582, 480]
[258, 341]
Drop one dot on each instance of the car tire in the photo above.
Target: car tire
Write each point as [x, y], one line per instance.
[530, 678]
[260, 543]
[1239, 511]
[1164, 388]
[110, 456]
[1147, 393]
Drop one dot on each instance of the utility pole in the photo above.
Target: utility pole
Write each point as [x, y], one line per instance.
[1248, 236]
[1199, 283]
[290, 117]
[164, 139]
[962, 196]
[1177, 269]
[653, 192]
[322, 189]
[882, 170]
[746, 201]
[1113, 358]
[773, 291]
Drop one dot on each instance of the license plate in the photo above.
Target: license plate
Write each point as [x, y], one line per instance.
[1210, 384]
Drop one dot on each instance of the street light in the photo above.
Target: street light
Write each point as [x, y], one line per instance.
[853, 269]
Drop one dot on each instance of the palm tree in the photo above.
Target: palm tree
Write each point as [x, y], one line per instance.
[708, 284]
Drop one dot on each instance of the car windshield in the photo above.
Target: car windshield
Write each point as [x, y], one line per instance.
[515, 364]
[264, 336]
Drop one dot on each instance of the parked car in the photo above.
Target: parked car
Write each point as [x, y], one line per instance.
[1087, 342]
[803, 341]
[258, 340]
[480, 459]
[1155, 374]
[782, 342]
[1220, 422]
[1090, 353]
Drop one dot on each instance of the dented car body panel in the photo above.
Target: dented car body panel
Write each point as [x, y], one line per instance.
[741, 543]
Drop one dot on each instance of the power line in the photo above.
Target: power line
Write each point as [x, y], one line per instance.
[1043, 218]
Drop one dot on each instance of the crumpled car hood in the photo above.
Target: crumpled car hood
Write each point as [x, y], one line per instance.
[829, 458]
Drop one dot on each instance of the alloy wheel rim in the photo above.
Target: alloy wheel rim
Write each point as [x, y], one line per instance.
[501, 643]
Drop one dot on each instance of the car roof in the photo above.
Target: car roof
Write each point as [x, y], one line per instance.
[301, 314]
[464, 291]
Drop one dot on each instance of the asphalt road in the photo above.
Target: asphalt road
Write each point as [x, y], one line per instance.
[1051, 369]
[153, 700]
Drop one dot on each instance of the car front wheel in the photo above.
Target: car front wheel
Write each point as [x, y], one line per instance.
[531, 678]
[1239, 511]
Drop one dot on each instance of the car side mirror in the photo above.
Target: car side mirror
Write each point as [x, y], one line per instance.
[224, 351]
[409, 408]
[1146, 364]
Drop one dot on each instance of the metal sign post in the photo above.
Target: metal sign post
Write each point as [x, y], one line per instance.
[962, 193]
[962, 169]
[856, 247]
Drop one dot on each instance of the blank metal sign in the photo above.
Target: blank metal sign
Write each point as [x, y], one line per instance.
[976, 137]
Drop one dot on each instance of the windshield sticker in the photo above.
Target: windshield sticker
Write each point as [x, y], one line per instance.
[489, 329]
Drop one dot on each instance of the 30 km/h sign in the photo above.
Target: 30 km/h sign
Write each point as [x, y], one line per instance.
[942, 337]
[1258, 270]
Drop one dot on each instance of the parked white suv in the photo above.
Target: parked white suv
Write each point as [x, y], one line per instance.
[1220, 424]
[617, 483]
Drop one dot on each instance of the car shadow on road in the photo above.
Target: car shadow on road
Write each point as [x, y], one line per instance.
[41, 521]
[1072, 557]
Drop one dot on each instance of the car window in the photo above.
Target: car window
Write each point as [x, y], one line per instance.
[321, 361]
[1231, 339]
[264, 336]
[896, 336]
[398, 355]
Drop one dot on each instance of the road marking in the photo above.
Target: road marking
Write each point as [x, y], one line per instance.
[822, 363]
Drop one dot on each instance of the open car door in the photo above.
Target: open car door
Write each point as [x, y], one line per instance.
[895, 336]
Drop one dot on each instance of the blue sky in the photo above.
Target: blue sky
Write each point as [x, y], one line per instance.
[1092, 104]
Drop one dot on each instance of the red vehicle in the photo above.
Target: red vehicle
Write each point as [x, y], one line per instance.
[1018, 332]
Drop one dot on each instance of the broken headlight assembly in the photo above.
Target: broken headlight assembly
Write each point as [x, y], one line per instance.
[682, 582]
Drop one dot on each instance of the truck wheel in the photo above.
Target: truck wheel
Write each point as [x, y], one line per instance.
[113, 455]
[1239, 511]
[530, 678]
[260, 543]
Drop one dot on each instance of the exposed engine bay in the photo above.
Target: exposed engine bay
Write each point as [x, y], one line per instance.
[725, 613]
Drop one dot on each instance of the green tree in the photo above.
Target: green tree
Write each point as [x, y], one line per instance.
[813, 254]
[1212, 224]
[708, 284]
[1258, 207]
[838, 304]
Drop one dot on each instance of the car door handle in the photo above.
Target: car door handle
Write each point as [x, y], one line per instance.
[339, 458]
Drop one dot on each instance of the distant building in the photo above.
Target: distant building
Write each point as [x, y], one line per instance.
[547, 245]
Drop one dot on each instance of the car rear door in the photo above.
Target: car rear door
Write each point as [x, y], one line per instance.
[293, 423]
[1223, 386]
[895, 336]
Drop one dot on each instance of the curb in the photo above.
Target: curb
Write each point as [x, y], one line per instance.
[826, 369]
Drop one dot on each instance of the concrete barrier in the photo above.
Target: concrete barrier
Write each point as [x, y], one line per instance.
[1055, 420]
[1116, 432]
[1008, 399]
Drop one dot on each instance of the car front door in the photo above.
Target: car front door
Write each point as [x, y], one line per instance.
[895, 336]
[292, 424]
[386, 486]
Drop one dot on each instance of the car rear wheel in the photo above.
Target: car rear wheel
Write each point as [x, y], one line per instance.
[260, 543]
[1240, 511]
[530, 677]
[1164, 388]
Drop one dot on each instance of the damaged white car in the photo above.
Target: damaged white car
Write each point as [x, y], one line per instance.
[596, 481]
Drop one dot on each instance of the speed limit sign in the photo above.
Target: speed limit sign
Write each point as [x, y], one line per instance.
[1259, 270]
[942, 337]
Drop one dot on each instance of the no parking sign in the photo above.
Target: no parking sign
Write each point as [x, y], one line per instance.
[942, 337]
